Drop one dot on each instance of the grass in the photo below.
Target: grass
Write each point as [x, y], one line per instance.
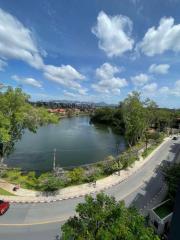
[150, 149]
[164, 210]
[5, 193]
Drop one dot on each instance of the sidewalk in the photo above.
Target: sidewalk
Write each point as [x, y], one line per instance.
[29, 196]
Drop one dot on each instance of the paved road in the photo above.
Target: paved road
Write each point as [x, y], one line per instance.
[43, 220]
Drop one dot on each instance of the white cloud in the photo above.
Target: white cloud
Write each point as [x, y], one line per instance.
[159, 69]
[28, 81]
[81, 96]
[140, 80]
[107, 82]
[65, 75]
[114, 34]
[1, 85]
[165, 37]
[3, 64]
[164, 90]
[82, 91]
[16, 41]
[175, 90]
[150, 88]
[69, 94]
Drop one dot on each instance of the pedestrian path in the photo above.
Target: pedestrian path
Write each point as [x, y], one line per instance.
[25, 195]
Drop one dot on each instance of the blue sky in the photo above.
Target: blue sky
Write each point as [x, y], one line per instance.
[92, 50]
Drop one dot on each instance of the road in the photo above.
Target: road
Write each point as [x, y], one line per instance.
[42, 220]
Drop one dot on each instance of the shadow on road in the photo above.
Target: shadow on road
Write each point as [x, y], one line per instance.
[151, 189]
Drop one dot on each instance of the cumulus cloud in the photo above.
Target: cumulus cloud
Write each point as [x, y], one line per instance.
[65, 75]
[1, 85]
[27, 81]
[158, 40]
[159, 68]
[140, 80]
[77, 95]
[114, 34]
[150, 88]
[175, 90]
[16, 41]
[69, 94]
[3, 64]
[164, 90]
[107, 82]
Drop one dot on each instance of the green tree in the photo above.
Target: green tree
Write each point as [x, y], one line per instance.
[172, 178]
[76, 175]
[103, 115]
[135, 118]
[48, 182]
[16, 115]
[103, 218]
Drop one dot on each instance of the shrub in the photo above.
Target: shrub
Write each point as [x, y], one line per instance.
[48, 182]
[14, 174]
[76, 175]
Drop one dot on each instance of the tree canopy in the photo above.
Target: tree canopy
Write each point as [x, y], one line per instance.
[134, 116]
[172, 178]
[16, 115]
[103, 218]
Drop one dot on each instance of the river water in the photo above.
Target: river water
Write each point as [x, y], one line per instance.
[77, 142]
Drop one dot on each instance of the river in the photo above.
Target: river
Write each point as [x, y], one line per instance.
[77, 142]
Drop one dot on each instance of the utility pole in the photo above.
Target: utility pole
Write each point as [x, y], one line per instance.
[54, 160]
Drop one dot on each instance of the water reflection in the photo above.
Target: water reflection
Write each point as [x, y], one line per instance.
[76, 140]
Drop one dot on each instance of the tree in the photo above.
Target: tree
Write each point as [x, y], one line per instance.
[76, 175]
[135, 118]
[172, 178]
[103, 218]
[103, 115]
[48, 182]
[16, 115]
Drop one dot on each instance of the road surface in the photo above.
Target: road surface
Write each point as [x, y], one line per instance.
[42, 221]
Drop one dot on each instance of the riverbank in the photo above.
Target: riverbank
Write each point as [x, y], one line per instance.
[58, 179]
[24, 195]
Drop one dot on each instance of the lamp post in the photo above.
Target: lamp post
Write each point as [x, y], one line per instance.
[54, 160]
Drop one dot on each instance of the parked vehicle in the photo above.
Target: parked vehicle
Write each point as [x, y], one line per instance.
[4, 205]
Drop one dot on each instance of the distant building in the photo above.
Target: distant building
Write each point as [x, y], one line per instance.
[58, 110]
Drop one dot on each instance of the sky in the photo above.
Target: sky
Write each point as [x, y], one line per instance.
[98, 50]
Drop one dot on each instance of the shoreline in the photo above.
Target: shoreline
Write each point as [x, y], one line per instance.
[82, 189]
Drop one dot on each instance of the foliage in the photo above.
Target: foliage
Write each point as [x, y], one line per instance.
[48, 182]
[76, 175]
[133, 117]
[104, 218]
[16, 115]
[103, 115]
[172, 178]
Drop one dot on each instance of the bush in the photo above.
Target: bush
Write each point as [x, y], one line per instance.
[13, 175]
[77, 175]
[48, 182]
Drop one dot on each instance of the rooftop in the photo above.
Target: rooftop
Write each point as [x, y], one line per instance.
[164, 209]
